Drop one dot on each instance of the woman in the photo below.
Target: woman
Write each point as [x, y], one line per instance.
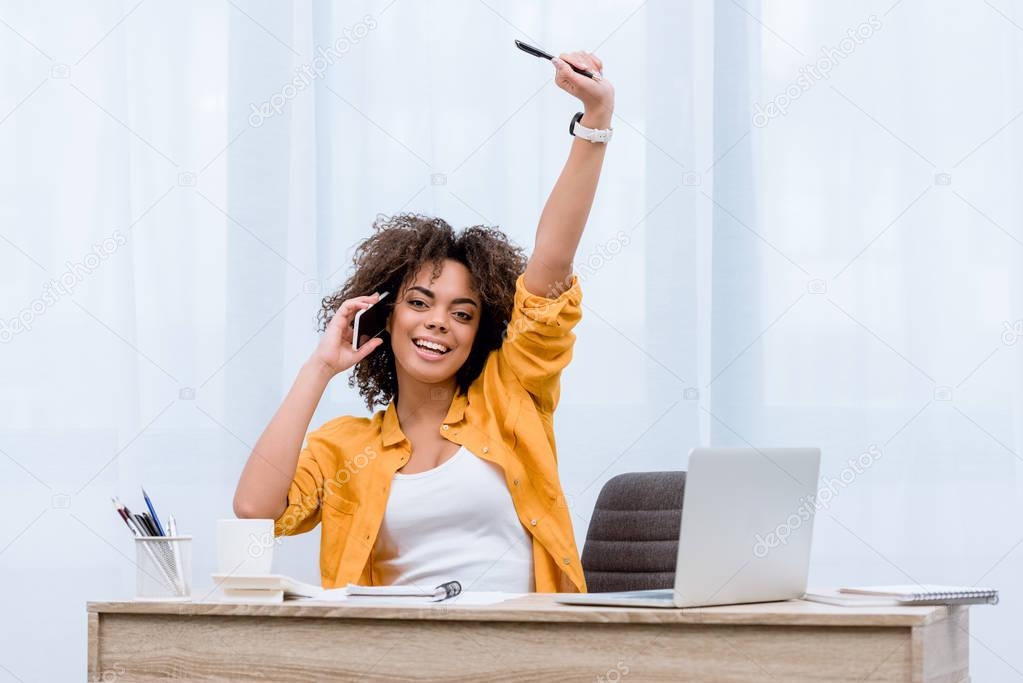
[457, 478]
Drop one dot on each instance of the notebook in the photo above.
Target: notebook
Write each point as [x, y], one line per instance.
[442, 592]
[907, 594]
[928, 593]
[277, 587]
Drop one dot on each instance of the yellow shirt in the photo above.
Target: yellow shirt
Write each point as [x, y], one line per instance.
[345, 470]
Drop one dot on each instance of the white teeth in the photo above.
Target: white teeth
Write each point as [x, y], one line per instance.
[422, 343]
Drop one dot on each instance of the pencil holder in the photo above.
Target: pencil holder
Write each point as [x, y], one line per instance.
[164, 568]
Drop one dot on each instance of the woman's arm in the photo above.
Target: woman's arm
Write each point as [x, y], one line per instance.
[262, 490]
[564, 216]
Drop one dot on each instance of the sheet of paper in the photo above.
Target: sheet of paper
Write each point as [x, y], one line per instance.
[482, 598]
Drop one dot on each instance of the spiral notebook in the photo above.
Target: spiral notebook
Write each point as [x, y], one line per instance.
[928, 593]
[907, 594]
[442, 592]
[277, 588]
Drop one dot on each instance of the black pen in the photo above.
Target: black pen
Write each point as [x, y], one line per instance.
[537, 52]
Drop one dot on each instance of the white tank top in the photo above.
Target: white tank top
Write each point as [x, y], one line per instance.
[457, 522]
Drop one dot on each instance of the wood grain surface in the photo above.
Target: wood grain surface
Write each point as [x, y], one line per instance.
[539, 607]
[532, 639]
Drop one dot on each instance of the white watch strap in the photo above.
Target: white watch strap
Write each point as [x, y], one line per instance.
[592, 134]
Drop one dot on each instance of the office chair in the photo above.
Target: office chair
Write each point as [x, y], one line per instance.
[632, 540]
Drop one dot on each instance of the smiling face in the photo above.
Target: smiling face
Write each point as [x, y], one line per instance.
[443, 314]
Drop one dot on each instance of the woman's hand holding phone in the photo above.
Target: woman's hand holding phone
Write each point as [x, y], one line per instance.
[262, 492]
[335, 352]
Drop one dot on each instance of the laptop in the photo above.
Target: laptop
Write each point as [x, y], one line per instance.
[743, 536]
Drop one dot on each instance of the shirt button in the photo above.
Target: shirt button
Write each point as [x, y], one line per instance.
[532, 522]
[486, 450]
[444, 427]
[568, 561]
[516, 482]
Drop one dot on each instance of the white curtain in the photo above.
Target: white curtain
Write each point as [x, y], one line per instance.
[867, 256]
[133, 123]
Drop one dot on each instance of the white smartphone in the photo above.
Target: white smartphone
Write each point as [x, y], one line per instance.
[369, 322]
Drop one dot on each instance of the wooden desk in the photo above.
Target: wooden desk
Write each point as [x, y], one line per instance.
[526, 640]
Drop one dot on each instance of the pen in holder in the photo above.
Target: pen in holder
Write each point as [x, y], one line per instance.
[164, 568]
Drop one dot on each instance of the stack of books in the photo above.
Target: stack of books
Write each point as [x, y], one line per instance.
[263, 588]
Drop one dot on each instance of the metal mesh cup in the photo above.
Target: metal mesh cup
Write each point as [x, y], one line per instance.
[163, 567]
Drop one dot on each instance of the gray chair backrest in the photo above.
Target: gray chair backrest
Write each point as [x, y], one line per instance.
[632, 542]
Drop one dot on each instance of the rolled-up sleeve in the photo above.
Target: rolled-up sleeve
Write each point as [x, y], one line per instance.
[305, 494]
[539, 339]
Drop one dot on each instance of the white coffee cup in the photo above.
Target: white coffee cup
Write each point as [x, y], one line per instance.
[245, 546]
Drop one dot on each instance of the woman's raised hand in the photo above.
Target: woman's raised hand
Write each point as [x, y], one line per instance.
[334, 351]
[597, 94]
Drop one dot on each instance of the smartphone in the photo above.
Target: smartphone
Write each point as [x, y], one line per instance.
[369, 322]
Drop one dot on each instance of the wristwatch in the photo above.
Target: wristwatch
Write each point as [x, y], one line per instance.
[593, 135]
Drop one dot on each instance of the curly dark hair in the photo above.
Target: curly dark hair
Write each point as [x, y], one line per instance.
[387, 260]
